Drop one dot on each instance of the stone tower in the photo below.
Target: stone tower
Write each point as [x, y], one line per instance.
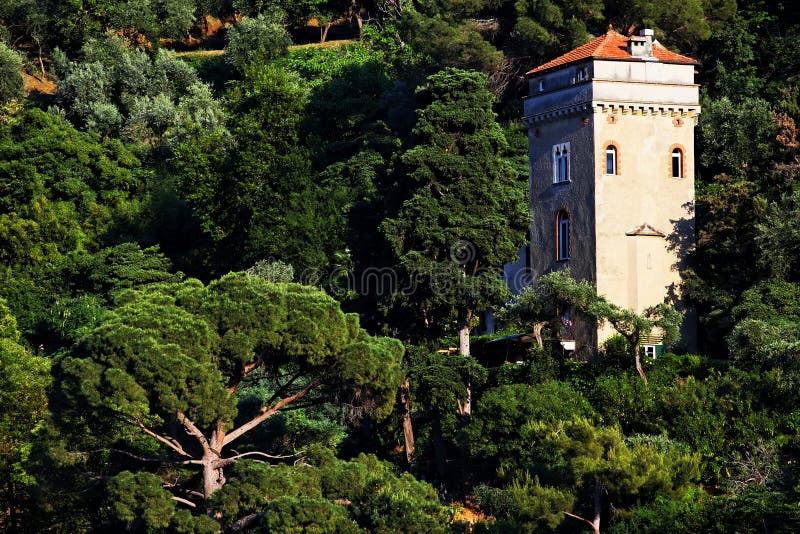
[611, 157]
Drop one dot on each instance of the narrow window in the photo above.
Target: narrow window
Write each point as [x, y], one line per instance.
[611, 160]
[562, 236]
[582, 75]
[561, 163]
[556, 163]
[677, 163]
[541, 85]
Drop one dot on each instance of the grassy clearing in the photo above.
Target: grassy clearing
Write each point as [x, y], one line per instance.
[212, 53]
[200, 53]
[327, 44]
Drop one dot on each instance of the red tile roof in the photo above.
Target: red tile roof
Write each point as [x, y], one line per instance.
[611, 45]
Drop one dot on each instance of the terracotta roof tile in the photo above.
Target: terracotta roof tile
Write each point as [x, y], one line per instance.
[611, 45]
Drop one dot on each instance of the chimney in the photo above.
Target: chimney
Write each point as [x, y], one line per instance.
[641, 45]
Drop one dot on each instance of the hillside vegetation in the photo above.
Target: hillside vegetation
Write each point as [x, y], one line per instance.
[242, 286]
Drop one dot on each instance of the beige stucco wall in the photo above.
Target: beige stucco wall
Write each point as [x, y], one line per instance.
[646, 109]
[635, 271]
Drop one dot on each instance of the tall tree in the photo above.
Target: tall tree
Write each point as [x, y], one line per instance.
[602, 461]
[466, 213]
[685, 25]
[116, 89]
[259, 38]
[546, 28]
[61, 191]
[165, 371]
[256, 195]
[325, 13]
[24, 379]
[445, 32]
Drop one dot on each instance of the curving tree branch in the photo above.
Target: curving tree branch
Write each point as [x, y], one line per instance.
[266, 413]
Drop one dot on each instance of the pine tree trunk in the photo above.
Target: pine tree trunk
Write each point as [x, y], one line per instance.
[41, 63]
[637, 359]
[213, 477]
[598, 488]
[465, 408]
[537, 333]
[408, 430]
[12, 507]
[463, 339]
[598, 509]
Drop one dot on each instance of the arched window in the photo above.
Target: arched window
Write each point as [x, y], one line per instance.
[562, 235]
[611, 159]
[677, 163]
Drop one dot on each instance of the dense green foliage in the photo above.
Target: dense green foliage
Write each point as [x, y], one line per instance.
[115, 89]
[24, 379]
[367, 189]
[260, 38]
[11, 82]
[465, 214]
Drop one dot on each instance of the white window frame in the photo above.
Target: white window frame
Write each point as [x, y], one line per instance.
[677, 154]
[650, 351]
[561, 170]
[562, 235]
[611, 151]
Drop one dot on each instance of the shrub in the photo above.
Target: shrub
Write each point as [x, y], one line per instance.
[11, 82]
[257, 39]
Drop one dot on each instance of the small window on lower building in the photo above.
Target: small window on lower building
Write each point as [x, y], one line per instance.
[677, 163]
[652, 351]
[562, 235]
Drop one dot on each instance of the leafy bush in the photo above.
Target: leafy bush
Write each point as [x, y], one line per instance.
[115, 89]
[11, 82]
[524, 506]
[625, 400]
[499, 431]
[261, 38]
[360, 495]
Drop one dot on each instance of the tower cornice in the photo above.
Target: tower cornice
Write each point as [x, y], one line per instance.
[625, 108]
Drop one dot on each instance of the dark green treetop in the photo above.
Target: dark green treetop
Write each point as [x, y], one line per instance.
[165, 369]
[465, 215]
[256, 195]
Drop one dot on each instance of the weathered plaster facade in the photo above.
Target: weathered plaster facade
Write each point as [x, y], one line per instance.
[629, 231]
